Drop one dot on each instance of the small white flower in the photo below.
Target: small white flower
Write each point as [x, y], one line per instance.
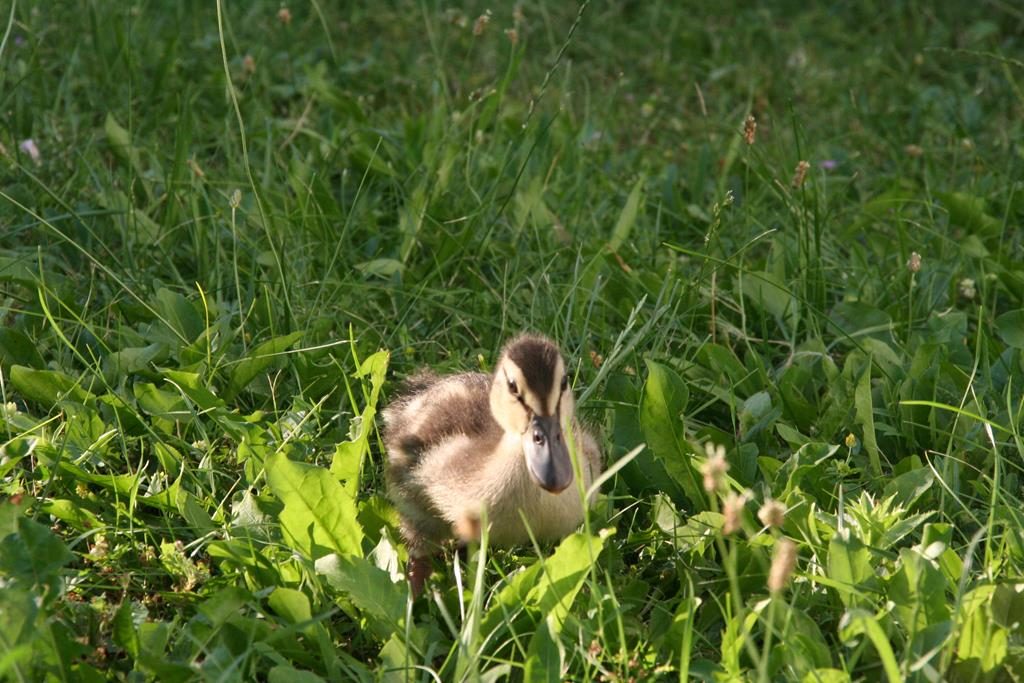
[28, 146]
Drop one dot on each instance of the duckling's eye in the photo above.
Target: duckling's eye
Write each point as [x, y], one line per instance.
[565, 382]
[513, 387]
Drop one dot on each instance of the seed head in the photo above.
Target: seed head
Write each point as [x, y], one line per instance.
[967, 289]
[783, 564]
[800, 174]
[732, 510]
[750, 129]
[914, 262]
[513, 36]
[249, 65]
[480, 25]
[100, 548]
[913, 150]
[284, 15]
[772, 514]
[715, 467]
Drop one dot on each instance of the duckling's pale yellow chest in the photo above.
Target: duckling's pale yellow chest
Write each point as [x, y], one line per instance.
[495, 485]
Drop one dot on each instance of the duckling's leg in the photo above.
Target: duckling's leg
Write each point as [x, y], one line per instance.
[421, 547]
[417, 571]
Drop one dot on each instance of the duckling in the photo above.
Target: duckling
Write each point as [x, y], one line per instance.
[463, 445]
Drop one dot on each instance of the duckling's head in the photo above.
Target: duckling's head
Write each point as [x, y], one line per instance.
[530, 397]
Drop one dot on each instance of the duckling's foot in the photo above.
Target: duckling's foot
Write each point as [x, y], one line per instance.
[417, 570]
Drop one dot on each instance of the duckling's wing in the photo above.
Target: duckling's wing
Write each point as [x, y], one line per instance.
[432, 410]
[417, 383]
[434, 415]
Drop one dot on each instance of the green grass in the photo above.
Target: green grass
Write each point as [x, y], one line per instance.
[242, 232]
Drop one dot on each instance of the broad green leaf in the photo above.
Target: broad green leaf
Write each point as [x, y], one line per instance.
[319, 517]
[883, 356]
[14, 451]
[349, 455]
[645, 473]
[242, 553]
[545, 655]
[375, 368]
[16, 348]
[292, 605]
[46, 387]
[902, 527]
[86, 430]
[864, 406]
[1010, 328]
[160, 403]
[795, 385]
[369, 588]
[132, 219]
[18, 633]
[32, 554]
[803, 647]
[123, 484]
[968, 211]
[348, 459]
[283, 673]
[726, 368]
[857, 319]
[981, 639]
[258, 360]
[224, 604]
[120, 141]
[826, 676]
[176, 499]
[380, 267]
[849, 567]
[908, 487]
[24, 271]
[132, 360]
[756, 415]
[411, 217]
[511, 600]
[858, 622]
[119, 413]
[169, 458]
[397, 664]
[191, 384]
[766, 292]
[563, 575]
[627, 217]
[71, 513]
[179, 314]
[124, 632]
[531, 207]
[699, 533]
[661, 417]
[807, 469]
[1008, 605]
[918, 590]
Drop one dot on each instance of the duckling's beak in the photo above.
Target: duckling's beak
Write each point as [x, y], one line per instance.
[547, 456]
